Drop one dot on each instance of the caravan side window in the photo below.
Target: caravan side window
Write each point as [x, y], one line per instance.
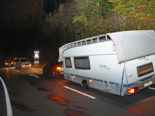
[68, 63]
[81, 62]
[108, 37]
[102, 38]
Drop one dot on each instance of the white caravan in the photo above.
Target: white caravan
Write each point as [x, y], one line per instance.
[120, 63]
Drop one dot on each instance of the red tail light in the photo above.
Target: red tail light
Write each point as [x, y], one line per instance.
[132, 90]
[6, 64]
[59, 68]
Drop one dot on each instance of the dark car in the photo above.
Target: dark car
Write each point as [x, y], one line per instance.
[22, 63]
[53, 69]
[9, 62]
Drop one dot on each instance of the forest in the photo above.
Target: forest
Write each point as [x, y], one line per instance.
[48, 24]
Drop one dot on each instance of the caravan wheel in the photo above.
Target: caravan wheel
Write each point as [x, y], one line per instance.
[84, 84]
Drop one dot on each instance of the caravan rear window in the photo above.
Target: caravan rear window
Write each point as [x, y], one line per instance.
[81, 62]
[68, 63]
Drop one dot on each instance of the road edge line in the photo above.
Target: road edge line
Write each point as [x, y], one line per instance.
[37, 68]
[34, 75]
[151, 88]
[8, 103]
[92, 97]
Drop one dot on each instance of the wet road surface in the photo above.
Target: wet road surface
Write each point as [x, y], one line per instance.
[33, 94]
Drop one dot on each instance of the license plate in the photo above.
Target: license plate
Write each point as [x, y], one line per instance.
[148, 84]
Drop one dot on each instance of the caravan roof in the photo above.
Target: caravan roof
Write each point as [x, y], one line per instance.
[130, 44]
[133, 44]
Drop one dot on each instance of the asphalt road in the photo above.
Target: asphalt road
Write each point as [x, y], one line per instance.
[33, 94]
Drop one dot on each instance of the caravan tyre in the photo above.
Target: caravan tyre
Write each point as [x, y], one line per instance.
[84, 84]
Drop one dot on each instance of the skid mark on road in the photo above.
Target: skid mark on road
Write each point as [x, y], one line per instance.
[45, 89]
[21, 106]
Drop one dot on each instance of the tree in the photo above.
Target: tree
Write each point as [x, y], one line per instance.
[92, 18]
[102, 16]
[136, 14]
[57, 29]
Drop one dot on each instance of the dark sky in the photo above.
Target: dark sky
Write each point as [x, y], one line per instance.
[19, 26]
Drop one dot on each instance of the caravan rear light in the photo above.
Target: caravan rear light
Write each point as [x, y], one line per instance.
[6, 63]
[11, 63]
[59, 68]
[14, 63]
[90, 80]
[132, 90]
[73, 77]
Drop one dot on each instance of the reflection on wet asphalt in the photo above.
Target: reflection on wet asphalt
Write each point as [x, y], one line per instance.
[46, 97]
[70, 105]
[143, 107]
[62, 82]
[71, 112]
[59, 100]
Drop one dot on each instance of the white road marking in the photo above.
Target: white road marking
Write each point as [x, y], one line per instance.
[151, 88]
[36, 68]
[34, 75]
[92, 97]
[8, 68]
[8, 104]
[11, 67]
[16, 70]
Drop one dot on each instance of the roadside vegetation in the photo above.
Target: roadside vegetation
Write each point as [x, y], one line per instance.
[30, 24]
[92, 17]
